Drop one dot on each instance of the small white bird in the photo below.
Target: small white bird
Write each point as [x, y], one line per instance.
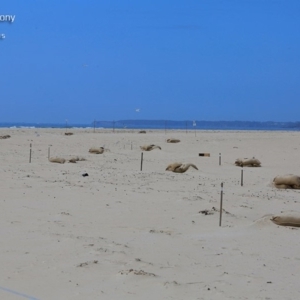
[137, 110]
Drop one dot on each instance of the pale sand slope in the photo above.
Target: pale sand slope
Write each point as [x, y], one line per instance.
[125, 234]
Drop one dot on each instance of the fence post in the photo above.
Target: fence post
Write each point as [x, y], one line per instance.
[221, 205]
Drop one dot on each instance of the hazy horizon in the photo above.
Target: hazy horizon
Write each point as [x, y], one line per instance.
[148, 121]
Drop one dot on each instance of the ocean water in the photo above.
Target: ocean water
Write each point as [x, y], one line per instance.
[167, 125]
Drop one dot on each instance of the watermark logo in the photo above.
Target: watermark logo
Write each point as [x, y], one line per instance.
[7, 18]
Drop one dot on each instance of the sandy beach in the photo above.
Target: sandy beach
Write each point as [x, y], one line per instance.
[122, 233]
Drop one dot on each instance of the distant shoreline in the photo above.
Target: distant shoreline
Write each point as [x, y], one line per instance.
[164, 125]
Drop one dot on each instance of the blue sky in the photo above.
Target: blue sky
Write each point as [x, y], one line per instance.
[201, 59]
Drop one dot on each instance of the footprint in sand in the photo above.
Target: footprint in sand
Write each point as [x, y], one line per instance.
[137, 272]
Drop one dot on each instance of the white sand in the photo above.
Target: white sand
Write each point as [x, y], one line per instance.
[124, 234]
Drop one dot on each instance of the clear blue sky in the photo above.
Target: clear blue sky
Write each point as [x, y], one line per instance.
[191, 59]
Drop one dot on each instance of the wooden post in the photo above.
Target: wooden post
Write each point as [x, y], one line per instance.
[221, 205]
[242, 176]
[142, 154]
[30, 151]
[219, 159]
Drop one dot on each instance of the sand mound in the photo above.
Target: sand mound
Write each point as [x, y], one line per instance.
[57, 160]
[287, 182]
[76, 159]
[150, 147]
[291, 219]
[179, 167]
[99, 150]
[173, 141]
[252, 162]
